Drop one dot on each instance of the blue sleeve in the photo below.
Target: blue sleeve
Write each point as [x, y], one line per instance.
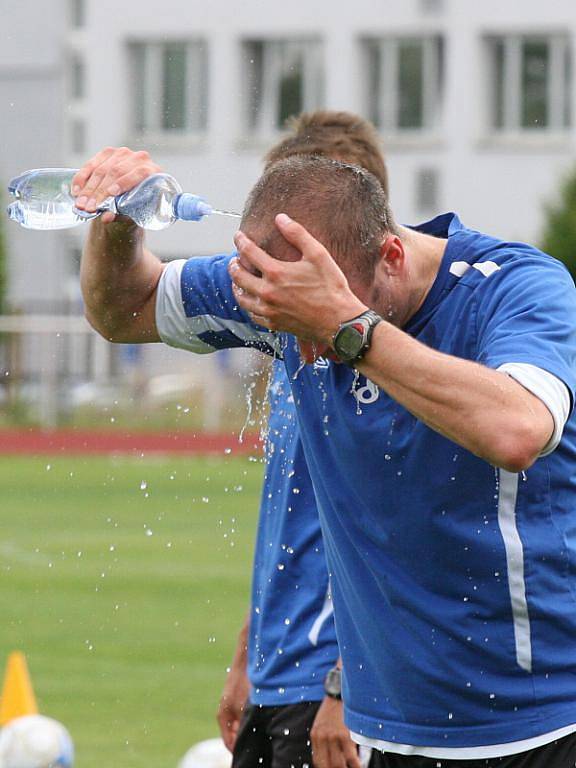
[527, 314]
[196, 309]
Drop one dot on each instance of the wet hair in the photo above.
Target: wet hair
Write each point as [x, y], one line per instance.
[340, 135]
[341, 205]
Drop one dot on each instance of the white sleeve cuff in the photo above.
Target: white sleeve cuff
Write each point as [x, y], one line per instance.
[171, 321]
[547, 388]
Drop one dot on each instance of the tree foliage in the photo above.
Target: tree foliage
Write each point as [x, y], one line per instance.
[559, 239]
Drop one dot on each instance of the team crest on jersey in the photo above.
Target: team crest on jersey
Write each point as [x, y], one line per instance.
[321, 363]
[367, 393]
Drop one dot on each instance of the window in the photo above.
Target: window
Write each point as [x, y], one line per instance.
[283, 78]
[404, 82]
[77, 77]
[427, 190]
[530, 82]
[78, 136]
[78, 13]
[170, 87]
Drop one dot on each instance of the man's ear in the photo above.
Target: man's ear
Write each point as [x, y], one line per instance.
[392, 255]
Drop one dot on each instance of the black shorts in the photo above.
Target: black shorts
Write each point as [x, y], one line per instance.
[276, 737]
[557, 754]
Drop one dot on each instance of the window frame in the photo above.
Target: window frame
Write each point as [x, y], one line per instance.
[385, 114]
[559, 97]
[261, 123]
[148, 92]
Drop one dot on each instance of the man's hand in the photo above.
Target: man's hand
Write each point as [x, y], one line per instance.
[110, 172]
[332, 746]
[309, 297]
[236, 691]
[232, 705]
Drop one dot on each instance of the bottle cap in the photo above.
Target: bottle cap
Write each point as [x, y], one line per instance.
[190, 207]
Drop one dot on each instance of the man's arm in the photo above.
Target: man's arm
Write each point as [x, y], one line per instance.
[236, 691]
[118, 275]
[332, 746]
[119, 278]
[481, 409]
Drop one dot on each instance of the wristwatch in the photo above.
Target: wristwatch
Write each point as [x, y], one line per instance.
[333, 683]
[352, 339]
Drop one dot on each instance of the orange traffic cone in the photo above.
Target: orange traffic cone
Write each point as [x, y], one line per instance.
[17, 697]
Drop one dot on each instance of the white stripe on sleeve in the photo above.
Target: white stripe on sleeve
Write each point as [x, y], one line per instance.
[171, 321]
[547, 388]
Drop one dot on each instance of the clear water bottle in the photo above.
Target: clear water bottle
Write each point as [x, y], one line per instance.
[44, 201]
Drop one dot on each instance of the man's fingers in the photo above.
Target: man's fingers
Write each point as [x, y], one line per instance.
[243, 278]
[248, 302]
[228, 724]
[350, 751]
[320, 753]
[84, 173]
[298, 236]
[337, 758]
[254, 255]
[110, 172]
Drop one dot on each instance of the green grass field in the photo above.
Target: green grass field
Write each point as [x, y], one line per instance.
[125, 581]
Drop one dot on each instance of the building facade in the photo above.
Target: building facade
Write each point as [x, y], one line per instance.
[475, 103]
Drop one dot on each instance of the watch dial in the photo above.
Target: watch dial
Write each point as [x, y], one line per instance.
[349, 343]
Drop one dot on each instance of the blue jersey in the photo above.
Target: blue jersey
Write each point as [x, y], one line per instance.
[292, 641]
[453, 581]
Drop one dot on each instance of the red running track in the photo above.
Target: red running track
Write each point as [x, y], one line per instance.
[37, 442]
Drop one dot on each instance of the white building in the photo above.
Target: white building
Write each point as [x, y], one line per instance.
[475, 102]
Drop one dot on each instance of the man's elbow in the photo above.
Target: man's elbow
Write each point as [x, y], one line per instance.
[105, 327]
[520, 447]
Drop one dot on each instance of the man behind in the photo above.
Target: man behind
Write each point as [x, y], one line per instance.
[288, 644]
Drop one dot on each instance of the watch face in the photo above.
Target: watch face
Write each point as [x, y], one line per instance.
[333, 683]
[349, 342]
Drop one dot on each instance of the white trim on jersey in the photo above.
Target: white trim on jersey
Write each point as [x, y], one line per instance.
[179, 330]
[466, 753]
[507, 495]
[322, 618]
[547, 388]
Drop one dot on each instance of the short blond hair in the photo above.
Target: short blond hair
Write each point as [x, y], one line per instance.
[339, 135]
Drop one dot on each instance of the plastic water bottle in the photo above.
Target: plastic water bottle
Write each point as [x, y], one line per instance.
[44, 201]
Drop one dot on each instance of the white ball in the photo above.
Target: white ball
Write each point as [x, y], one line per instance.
[35, 741]
[207, 754]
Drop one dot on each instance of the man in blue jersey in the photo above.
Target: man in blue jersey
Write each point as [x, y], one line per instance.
[287, 648]
[441, 454]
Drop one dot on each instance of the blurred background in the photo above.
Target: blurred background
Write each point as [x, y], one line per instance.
[125, 577]
[474, 103]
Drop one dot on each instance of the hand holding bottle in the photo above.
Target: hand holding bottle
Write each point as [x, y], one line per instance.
[115, 182]
[109, 173]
